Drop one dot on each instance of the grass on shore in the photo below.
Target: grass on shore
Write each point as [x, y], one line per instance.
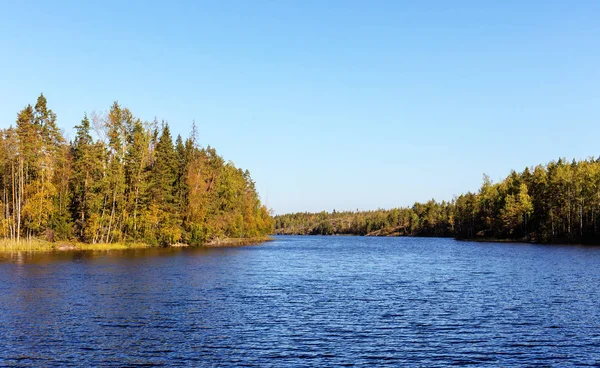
[29, 245]
[111, 246]
[39, 245]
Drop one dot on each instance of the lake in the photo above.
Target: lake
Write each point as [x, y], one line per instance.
[305, 301]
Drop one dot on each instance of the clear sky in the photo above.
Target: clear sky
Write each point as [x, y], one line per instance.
[329, 104]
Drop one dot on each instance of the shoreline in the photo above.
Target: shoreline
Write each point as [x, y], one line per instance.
[476, 240]
[39, 245]
[236, 242]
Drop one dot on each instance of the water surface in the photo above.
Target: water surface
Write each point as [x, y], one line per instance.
[305, 301]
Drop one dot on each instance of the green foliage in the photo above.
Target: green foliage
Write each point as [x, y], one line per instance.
[558, 202]
[429, 219]
[130, 184]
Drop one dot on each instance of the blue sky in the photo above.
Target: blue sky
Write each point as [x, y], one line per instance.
[329, 104]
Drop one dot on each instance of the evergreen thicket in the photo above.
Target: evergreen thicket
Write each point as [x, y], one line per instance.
[557, 202]
[131, 183]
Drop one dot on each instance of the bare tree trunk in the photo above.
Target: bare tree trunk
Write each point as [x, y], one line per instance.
[14, 203]
[112, 214]
[135, 204]
[41, 202]
[581, 218]
[5, 209]
[20, 200]
[101, 230]
[84, 204]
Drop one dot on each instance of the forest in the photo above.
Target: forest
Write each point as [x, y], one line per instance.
[120, 179]
[556, 202]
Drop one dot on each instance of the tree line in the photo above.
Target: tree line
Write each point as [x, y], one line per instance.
[556, 202]
[429, 219]
[120, 179]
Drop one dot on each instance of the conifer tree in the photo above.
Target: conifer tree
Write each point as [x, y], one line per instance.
[87, 162]
[163, 176]
[130, 184]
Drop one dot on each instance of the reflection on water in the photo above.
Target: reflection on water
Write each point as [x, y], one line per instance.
[316, 301]
[81, 255]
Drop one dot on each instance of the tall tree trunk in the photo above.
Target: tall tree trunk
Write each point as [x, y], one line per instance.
[14, 203]
[20, 200]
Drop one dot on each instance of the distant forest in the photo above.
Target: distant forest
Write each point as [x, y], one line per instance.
[120, 179]
[557, 202]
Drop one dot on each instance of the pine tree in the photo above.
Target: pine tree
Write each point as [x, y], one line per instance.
[163, 176]
[87, 162]
[136, 173]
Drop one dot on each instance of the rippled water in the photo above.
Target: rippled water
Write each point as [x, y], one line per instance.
[305, 301]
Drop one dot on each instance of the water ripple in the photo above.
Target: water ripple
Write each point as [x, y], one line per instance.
[305, 302]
